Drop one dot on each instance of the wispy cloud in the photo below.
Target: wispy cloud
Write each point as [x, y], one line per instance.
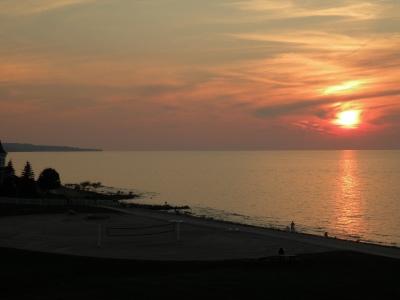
[301, 9]
[307, 40]
[36, 6]
[197, 71]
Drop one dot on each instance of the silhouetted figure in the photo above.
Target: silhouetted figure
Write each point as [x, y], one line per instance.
[292, 228]
[326, 234]
[281, 251]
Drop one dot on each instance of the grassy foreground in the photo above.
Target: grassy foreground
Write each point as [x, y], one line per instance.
[341, 275]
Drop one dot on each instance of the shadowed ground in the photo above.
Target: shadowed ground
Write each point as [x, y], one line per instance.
[208, 261]
[328, 275]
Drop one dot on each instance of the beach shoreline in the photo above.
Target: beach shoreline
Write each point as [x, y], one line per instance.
[199, 238]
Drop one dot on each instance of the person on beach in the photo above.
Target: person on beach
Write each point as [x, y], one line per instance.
[292, 229]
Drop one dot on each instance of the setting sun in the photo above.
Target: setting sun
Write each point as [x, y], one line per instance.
[348, 118]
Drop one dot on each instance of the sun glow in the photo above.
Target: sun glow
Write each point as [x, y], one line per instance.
[343, 88]
[348, 118]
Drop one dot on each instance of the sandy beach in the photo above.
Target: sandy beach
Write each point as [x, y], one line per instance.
[58, 256]
[199, 239]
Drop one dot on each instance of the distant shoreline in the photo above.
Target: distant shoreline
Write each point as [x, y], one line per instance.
[17, 147]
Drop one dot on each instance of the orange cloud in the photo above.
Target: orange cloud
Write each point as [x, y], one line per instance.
[248, 74]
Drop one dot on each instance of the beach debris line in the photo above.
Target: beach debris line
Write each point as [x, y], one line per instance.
[155, 206]
[95, 190]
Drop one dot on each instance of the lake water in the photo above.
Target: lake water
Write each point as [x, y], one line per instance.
[350, 194]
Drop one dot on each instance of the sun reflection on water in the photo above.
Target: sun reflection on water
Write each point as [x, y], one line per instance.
[349, 207]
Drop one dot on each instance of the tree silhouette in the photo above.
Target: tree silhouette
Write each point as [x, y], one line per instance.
[28, 185]
[9, 170]
[9, 185]
[27, 173]
[49, 179]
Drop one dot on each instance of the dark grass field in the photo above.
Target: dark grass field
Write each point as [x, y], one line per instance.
[334, 275]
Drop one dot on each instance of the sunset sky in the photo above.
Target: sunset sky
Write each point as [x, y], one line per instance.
[201, 74]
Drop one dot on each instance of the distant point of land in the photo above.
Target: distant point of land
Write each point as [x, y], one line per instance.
[16, 147]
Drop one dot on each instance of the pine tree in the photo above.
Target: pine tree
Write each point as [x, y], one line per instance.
[27, 173]
[28, 184]
[9, 187]
[10, 171]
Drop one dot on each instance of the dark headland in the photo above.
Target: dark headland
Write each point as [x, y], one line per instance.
[17, 147]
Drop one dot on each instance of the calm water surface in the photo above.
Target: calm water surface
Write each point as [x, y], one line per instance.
[350, 194]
